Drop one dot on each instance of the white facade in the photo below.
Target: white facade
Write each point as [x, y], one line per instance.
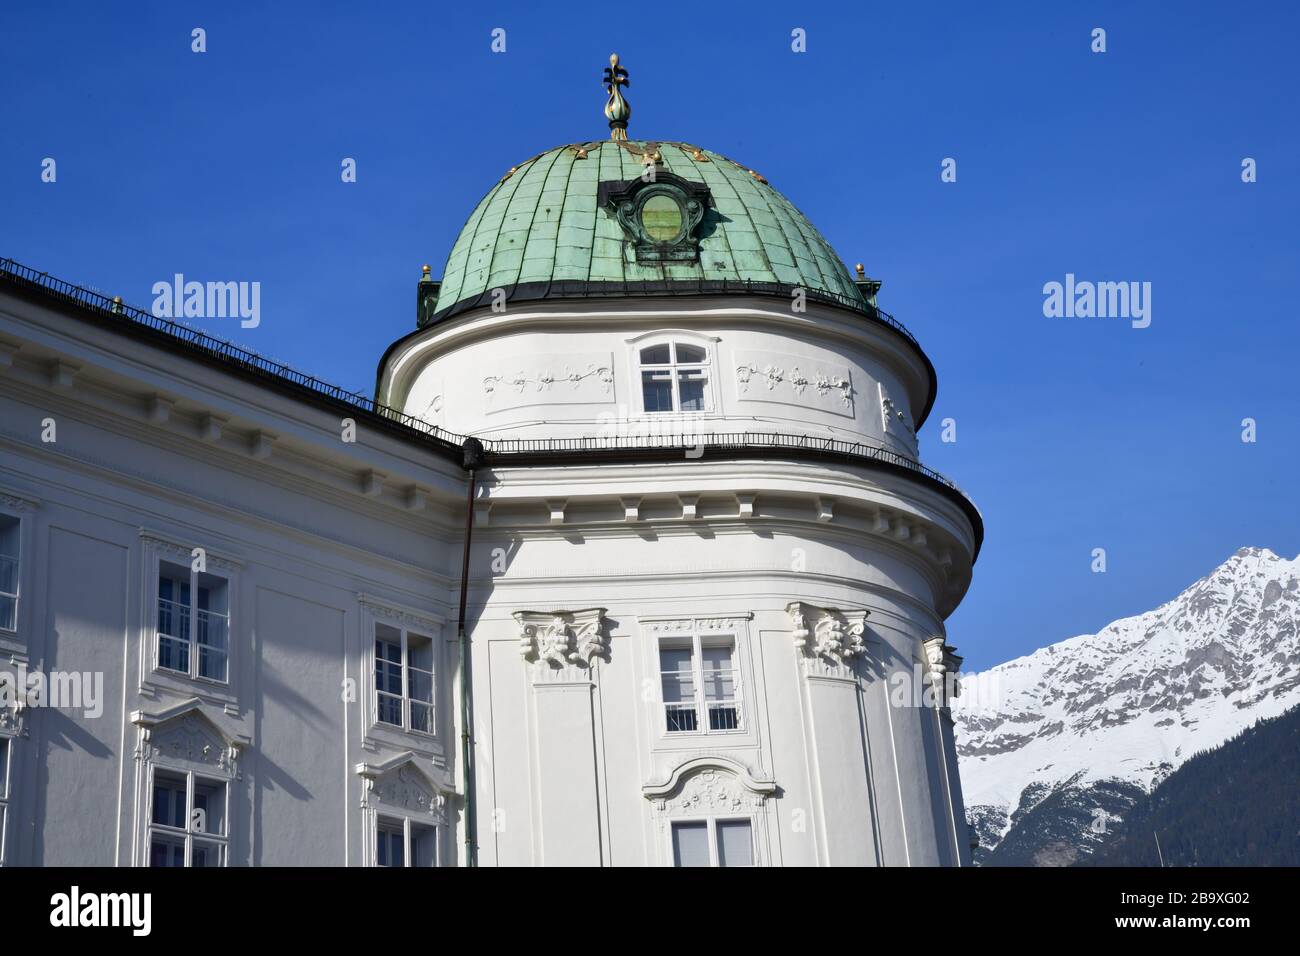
[685, 657]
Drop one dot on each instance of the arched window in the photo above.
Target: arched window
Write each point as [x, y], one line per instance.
[674, 377]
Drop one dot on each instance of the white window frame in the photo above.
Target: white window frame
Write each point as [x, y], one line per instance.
[188, 834]
[156, 550]
[698, 641]
[672, 338]
[376, 694]
[193, 636]
[385, 815]
[21, 508]
[7, 743]
[711, 823]
[18, 572]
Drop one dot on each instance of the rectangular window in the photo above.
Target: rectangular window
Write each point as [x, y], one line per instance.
[404, 679]
[674, 378]
[401, 842]
[187, 821]
[390, 848]
[4, 793]
[9, 526]
[700, 683]
[193, 635]
[713, 842]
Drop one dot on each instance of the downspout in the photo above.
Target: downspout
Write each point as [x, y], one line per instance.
[473, 459]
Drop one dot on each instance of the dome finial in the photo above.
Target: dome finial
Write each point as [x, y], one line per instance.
[617, 110]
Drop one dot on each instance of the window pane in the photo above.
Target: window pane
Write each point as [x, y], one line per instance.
[388, 846]
[174, 653]
[662, 218]
[691, 386]
[718, 674]
[388, 674]
[419, 681]
[8, 573]
[169, 799]
[687, 354]
[690, 844]
[657, 391]
[735, 843]
[210, 797]
[678, 680]
[8, 536]
[4, 770]
[207, 854]
[424, 846]
[655, 355]
[211, 635]
[166, 851]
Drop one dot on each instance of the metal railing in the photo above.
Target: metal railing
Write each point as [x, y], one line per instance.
[220, 349]
[505, 451]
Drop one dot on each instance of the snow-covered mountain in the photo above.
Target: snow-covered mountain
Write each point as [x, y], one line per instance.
[1053, 747]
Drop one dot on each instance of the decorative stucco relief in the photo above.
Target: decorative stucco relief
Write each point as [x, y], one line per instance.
[828, 636]
[893, 420]
[944, 665]
[400, 783]
[709, 785]
[773, 377]
[563, 380]
[563, 639]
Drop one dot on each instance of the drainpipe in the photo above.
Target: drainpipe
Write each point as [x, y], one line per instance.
[473, 459]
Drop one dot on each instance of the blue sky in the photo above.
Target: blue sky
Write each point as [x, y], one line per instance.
[1072, 434]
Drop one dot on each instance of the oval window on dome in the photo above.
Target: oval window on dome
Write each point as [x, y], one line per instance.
[661, 217]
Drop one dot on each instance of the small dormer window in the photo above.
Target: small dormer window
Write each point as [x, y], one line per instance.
[661, 218]
[674, 377]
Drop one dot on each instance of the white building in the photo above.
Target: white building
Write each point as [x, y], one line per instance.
[705, 562]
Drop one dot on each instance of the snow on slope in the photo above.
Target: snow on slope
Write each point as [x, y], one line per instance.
[1139, 698]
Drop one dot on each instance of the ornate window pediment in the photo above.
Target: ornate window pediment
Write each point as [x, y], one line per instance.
[709, 785]
[402, 783]
[186, 734]
[661, 215]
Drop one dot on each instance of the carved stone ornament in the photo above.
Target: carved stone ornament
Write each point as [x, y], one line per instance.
[185, 733]
[942, 660]
[709, 785]
[401, 783]
[836, 637]
[563, 638]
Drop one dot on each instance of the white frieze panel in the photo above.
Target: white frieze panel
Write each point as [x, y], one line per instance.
[550, 379]
[790, 380]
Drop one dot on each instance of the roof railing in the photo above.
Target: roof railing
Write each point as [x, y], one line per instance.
[499, 450]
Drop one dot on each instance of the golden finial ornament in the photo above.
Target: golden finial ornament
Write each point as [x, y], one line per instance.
[861, 270]
[617, 110]
[426, 270]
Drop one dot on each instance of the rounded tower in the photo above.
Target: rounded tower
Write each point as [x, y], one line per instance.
[709, 572]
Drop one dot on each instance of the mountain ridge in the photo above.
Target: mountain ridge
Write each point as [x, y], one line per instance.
[1094, 722]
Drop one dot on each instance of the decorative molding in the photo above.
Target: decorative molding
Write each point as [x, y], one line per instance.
[942, 659]
[832, 636]
[429, 623]
[15, 502]
[185, 554]
[563, 379]
[709, 784]
[762, 369]
[13, 721]
[728, 624]
[402, 782]
[187, 732]
[563, 639]
[893, 420]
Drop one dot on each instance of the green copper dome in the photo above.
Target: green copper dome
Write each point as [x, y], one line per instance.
[581, 220]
